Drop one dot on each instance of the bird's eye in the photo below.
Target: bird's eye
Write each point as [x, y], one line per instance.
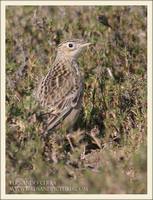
[70, 45]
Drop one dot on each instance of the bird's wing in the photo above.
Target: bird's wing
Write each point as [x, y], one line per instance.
[59, 92]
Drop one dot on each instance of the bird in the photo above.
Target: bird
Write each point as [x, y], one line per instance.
[60, 92]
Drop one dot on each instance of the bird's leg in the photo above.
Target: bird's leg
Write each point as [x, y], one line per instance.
[68, 137]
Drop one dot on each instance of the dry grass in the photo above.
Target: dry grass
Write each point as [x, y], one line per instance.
[110, 135]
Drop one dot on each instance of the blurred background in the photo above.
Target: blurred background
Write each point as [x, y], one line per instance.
[110, 136]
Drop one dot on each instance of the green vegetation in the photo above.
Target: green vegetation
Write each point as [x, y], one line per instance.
[110, 136]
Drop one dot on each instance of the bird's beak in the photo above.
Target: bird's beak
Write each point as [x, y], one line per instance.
[85, 44]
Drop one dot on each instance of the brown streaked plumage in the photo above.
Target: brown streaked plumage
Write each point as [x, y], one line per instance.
[60, 91]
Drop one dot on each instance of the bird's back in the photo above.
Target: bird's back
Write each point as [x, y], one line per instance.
[60, 91]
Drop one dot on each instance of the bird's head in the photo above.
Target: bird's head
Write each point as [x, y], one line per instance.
[72, 49]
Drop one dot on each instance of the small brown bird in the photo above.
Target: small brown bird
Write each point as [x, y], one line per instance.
[60, 91]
